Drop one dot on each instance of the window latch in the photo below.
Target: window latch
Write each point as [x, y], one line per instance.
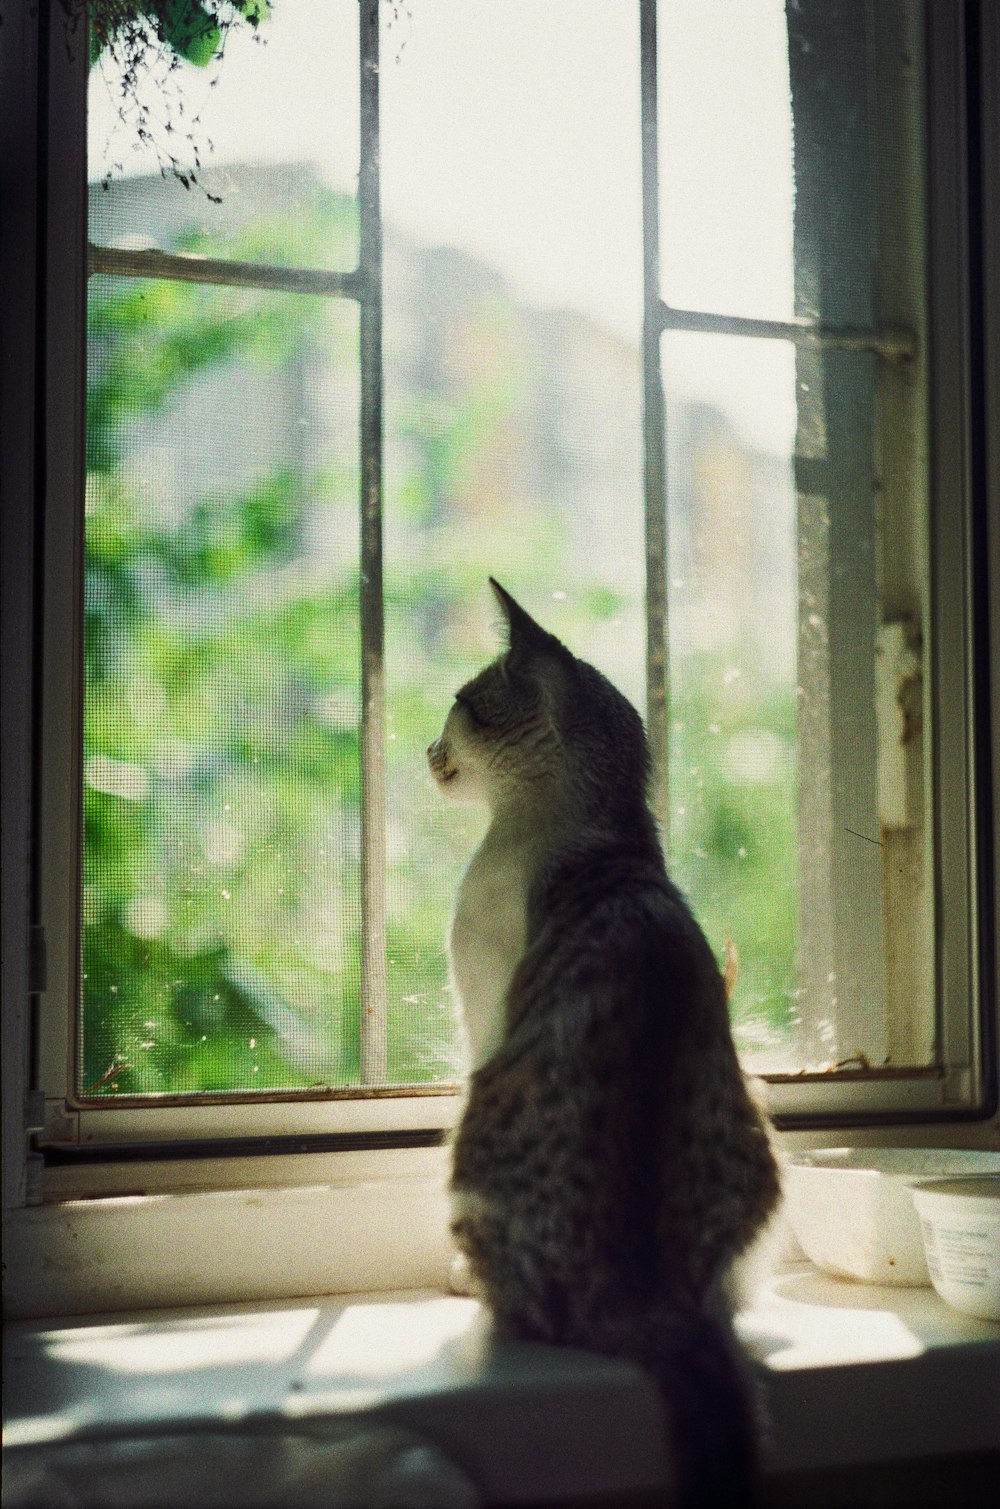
[898, 680]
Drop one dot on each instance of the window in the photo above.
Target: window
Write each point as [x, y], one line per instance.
[661, 324]
[821, 579]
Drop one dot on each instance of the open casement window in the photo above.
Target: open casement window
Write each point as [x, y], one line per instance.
[663, 324]
[837, 577]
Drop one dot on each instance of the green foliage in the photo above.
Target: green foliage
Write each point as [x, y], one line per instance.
[189, 30]
[220, 931]
[734, 835]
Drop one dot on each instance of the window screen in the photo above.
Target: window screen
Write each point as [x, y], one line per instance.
[319, 417]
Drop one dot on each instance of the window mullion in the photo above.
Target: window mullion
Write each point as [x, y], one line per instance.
[654, 437]
[374, 1045]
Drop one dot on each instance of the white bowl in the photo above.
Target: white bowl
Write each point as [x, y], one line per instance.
[961, 1226]
[852, 1211]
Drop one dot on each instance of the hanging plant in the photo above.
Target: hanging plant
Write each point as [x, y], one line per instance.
[148, 41]
[189, 29]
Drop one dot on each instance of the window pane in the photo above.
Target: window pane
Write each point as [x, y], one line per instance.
[725, 147]
[515, 451]
[513, 392]
[221, 923]
[792, 181]
[269, 128]
[733, 631]
[512, 132]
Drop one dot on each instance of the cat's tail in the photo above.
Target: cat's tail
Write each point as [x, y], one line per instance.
[709, 1402]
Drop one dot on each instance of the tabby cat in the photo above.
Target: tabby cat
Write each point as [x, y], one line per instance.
[611, 1163]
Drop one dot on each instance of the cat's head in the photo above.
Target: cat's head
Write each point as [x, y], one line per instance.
[538, 719]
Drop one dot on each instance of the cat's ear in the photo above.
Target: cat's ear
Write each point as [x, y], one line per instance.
[525, 636]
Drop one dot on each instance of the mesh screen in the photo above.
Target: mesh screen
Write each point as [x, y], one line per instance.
[733, 629]
[221, 772]
[222, 887]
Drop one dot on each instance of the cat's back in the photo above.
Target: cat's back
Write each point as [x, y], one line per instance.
[615, 1120]
[624, 950]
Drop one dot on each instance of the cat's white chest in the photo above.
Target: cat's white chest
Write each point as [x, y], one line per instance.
[488, 935]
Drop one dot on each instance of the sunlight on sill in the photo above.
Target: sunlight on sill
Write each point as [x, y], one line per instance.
[372, 1340]
[798, 1321]
[178, 1346]
[335, 1358]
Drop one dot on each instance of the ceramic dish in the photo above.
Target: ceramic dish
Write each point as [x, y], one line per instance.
[852, 1208]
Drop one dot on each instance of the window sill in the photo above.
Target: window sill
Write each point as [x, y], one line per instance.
[379, 1221]
[855, 1376]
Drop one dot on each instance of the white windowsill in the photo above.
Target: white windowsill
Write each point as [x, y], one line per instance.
[854, 1374]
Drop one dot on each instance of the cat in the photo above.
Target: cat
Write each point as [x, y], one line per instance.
[611, 1164]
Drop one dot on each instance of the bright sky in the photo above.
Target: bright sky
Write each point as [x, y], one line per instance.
[512, 131]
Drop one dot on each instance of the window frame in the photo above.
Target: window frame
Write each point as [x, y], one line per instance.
[960, 704]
